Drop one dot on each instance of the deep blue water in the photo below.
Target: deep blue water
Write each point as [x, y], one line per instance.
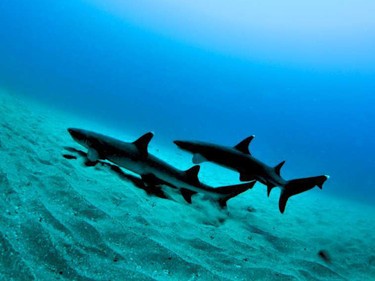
[73, 55]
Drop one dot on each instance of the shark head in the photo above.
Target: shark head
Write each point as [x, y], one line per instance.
[83, 137]
[195, 148]
[187, 145]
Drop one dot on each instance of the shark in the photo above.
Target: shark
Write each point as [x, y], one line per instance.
[135, 157]
[239, 158]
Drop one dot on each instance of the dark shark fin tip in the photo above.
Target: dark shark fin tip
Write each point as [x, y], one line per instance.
[142, 142]
[243, 146]
[278, 167]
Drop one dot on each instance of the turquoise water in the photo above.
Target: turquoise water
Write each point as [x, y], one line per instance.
[305, 91]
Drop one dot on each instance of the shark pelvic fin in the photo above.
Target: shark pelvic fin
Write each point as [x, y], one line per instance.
[186, 193]
[269, 188]
[93, 154]
[143, 141]
[243, 146]
[192, 174]
[278, 168]
[198, 158]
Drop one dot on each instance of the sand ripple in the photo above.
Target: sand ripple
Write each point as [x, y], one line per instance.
[61, 220]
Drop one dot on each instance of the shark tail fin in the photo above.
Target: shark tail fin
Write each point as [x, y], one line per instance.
[231, 191]
[297, 186]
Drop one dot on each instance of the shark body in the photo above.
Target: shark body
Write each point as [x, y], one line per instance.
[239, 158]
[134, 156]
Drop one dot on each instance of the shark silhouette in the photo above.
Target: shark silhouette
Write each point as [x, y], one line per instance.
[134, 156]
[239, 158]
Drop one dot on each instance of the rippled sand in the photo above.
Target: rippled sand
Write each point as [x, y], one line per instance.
[61, 220]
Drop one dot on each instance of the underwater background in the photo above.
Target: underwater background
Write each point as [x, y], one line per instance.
[300, 76]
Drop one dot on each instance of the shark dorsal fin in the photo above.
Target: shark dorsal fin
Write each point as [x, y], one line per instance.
[278, 168]
[192, 174]
[243, 146]
[143, 141]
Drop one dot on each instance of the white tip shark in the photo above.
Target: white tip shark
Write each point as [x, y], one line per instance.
[134, 156]
[239, 158]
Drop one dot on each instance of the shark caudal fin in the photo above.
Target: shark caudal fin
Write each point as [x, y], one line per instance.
[231, 191]
[297, 186]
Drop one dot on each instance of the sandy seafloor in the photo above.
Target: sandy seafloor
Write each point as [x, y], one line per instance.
[61, 220]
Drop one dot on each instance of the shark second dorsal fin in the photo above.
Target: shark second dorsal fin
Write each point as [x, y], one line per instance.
[243, 146]
[278, 168]
[143, 141]
[192, 174]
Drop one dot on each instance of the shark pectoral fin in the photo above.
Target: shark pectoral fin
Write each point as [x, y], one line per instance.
[198, 158]
[93, 154]
[143, 141]
[192, 174]
[243, 146]
[245, 177]
[278, 168]
[186, 193]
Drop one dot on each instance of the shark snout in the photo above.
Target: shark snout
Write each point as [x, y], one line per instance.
[77, 134]
[187, 145]
[178, 143]
[181, 144]
[73, 132]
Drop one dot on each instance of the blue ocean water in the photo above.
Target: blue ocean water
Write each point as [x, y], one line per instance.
[317, 115]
